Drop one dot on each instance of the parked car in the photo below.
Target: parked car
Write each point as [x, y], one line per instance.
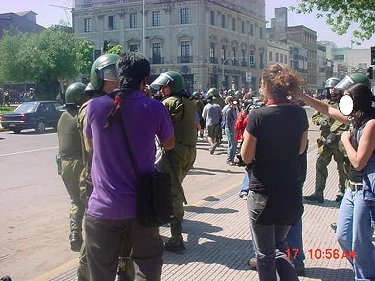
[36, 115]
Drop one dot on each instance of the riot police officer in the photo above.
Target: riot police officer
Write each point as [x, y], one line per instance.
[329, 145]
[178, 161]
[69, 159]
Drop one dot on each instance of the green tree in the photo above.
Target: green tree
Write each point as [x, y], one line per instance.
[44, 58]
[341, 14]
[114, 49]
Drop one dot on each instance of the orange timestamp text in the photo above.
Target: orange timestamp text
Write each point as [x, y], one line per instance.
[322, 253]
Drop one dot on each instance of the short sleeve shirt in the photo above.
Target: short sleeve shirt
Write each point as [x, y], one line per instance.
[113, 176]
[275, 172]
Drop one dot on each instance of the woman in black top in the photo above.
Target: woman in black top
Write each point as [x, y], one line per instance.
[357, 210]
[275, 137]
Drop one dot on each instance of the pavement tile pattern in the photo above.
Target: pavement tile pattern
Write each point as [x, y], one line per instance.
[218, 241]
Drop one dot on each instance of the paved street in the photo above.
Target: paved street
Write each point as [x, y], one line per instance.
[215, 227]
[218, 243]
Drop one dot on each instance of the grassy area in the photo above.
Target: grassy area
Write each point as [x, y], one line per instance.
[6, 109]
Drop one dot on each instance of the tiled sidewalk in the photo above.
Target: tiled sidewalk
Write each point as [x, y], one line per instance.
[218, 238]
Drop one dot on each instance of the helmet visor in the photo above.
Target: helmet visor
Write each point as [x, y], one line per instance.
[163, 80]
[110, 73]
[345, 83]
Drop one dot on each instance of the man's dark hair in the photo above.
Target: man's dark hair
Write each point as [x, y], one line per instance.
[132, 67]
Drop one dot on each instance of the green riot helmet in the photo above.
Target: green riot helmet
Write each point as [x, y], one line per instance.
[353, 78]
[196, 96]
[75, 94]
[331, 82]
[172, 78]
[213, 92]
[103, 68]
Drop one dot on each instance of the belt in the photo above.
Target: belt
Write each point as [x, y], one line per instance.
[355, 186]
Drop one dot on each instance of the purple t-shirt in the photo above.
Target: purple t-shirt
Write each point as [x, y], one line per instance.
[113, 177]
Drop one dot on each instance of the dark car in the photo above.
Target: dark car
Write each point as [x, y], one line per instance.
[36, 115]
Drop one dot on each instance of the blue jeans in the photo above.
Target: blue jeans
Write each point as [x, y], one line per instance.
[232, 144]
[354, 233]
[269, 243]
[245, 187]
[294, 240]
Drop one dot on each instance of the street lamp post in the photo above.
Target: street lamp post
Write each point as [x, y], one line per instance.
[143, 28]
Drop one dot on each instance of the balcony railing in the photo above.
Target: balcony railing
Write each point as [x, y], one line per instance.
[185, 59]
[156, 60]
[235, 62]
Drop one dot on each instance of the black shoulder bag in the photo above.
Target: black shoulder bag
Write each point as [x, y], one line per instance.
[153, 193]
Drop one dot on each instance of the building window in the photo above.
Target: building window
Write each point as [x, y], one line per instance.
[223, 53]
[251, 29]
[133, 47]
[212, 50]
[281, 58]
[243, 27]
[223, 18]
[286, 59]
[212, 17]
[184, 16]
[111, 22]
[277, 57]
[185, 48]
[233, 24]
[234, 52]
[88, 25]
[270, 56]
[156, 53]
[260, 33]
[156, 18]
[133, 20]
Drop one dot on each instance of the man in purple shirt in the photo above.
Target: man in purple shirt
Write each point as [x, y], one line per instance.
[111, 213]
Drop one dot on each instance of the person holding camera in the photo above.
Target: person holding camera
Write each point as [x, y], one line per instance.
[329, 145]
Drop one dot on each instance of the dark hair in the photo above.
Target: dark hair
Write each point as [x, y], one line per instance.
[284, 82]
[132, 68]
[363, 101]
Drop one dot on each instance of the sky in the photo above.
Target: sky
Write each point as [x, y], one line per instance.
[49, 14]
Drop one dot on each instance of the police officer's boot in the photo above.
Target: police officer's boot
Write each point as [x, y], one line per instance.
[176, 242]
[75, 241]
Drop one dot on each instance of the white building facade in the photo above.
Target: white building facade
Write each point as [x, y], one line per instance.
[213, 43]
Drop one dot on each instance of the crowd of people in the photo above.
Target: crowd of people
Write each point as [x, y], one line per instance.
[8, 96]
[117, 244]
[267, 132]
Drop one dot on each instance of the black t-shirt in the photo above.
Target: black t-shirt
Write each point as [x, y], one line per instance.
[275, 173]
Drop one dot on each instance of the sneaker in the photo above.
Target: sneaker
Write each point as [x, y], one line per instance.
[174, 246]
[231, 164]
[243, 195]
[252, 263]
[314, 198]
[339, 198]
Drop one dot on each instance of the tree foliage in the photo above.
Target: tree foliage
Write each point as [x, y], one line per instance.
[341, 14]
[115, 49]
[43, 58]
